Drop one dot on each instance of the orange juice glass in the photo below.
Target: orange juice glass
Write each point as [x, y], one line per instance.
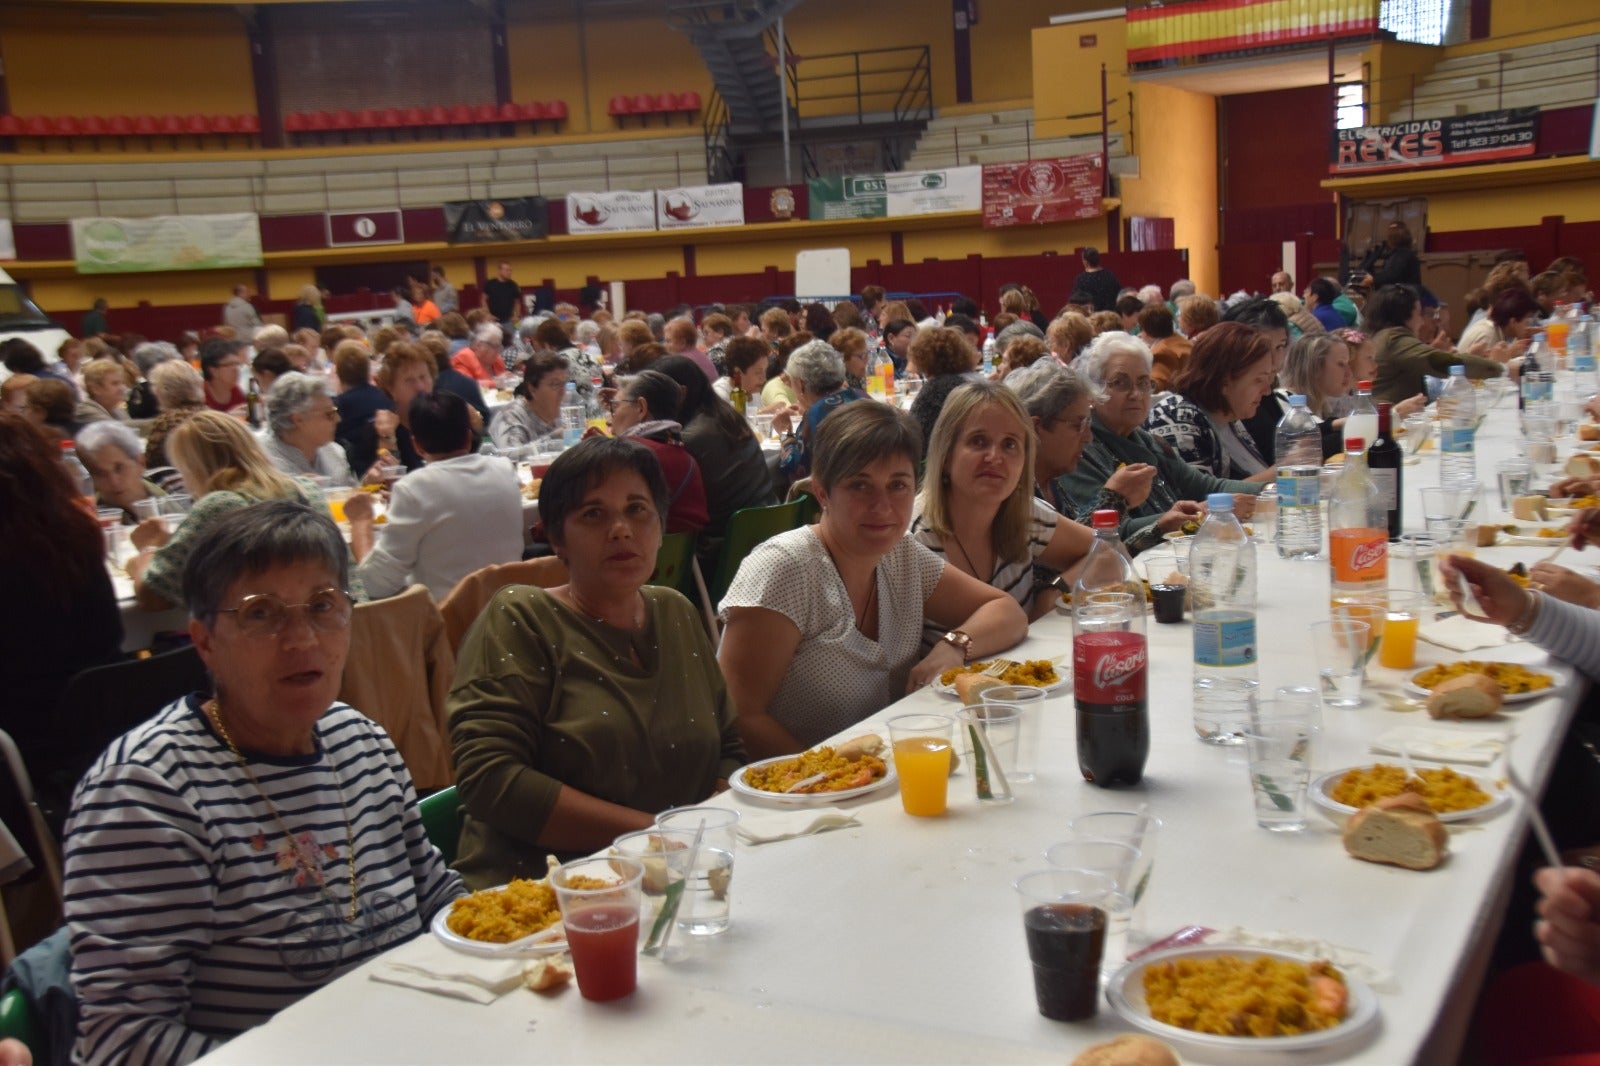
[336, 506]
[1398, 651]
[1556, 334]
[922, 751]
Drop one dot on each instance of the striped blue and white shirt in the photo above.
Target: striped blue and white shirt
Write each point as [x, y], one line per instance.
[194, 917]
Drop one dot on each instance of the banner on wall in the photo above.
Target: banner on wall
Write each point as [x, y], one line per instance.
[1432, 142]
[908, 192]
[516, 218]
[353, 228]
[700, 205]
[165, 242]
[610, 212]
[1042, 190]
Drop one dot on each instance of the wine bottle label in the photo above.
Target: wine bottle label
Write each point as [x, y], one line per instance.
[1385, 480]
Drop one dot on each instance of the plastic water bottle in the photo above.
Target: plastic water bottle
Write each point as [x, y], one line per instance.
[1581, 357]
[1363, 419]
[1458, 428]
[1108, 567]
[571, 416]
[1358, 543]
[1222, 598]
[1299, 488]
[988, 356]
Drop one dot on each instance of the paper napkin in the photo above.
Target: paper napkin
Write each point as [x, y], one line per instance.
[1462, 634]
[430, 966]
[1477, 746]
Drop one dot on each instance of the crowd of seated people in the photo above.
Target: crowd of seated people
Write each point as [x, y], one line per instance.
[943, 513]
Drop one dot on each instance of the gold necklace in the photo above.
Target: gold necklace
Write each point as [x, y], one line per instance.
[213, 711]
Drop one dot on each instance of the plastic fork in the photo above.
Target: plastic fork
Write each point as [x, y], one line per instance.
[1541, 831]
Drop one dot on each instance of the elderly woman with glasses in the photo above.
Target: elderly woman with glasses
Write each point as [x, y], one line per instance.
[817, 374]
[115, 458]
[301, 422]
[1117, 366]
[235, 853]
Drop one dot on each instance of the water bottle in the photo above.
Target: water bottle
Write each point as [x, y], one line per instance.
[1363, 419]
[571, 416]
[1581, 357]
[78, 474]
[1265, 518]
[1108, 567]
[252, 399]
[1358, 544]
[1299, 488]
[1458, 428]
[1222, 599]
[988, 356]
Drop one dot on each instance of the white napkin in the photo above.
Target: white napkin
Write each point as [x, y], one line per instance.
[1462, 634]
[430, 966]
[767, 826]
[1357, 964]
[1442, 743]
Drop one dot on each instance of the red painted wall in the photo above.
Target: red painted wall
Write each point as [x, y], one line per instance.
[1275, 147]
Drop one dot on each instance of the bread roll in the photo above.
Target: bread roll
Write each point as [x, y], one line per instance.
[970, 686]
[1589, 430]
[1399, 831]
[1127, 1050]
[1487, 535]
[1467, 696]
[1530, 509]
[868, 744]
[1583, 465]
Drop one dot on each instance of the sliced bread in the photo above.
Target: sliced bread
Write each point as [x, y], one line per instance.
[1467, 696]
[1400, 831]
[1582, 465]
[969, 687]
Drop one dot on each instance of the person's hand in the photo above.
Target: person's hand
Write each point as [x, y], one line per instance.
[1132, 482]
[14, 1052]
[358, 508]
[774, 407]
[475, 420]
[1564, 584]
[1585, 528]
[1244, 506]
[783, 419]
[1179, 513]
[1591, 407]
[150, 533]
[1409, 406]
[943, 657]
[1569, 487]
[1568, 929]
[1501, 599]
[385, 422]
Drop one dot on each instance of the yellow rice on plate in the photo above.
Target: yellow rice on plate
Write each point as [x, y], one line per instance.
[1036, 672]
[1512, 677]
[1230, 996]
[843, 772]
[1441, 788]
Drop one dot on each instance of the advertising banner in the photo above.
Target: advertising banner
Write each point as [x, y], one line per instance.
[1432, 142]
[700, 205]
[347, 228]
[610, 212]
[165, 242]
[516, 218]
[1042, 190]
[909, 192]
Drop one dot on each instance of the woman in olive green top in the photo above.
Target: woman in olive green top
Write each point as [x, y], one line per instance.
[1392, 317]
[579, 712]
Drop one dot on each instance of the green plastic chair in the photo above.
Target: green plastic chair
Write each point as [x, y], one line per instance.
[746, 529]
[672, 564]
[18, 1021]
[442, 816]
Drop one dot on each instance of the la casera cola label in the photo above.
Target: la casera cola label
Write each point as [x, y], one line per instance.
[1109, 667]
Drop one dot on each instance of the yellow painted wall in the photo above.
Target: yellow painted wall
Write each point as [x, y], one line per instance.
[67, 61]
[1515, 205]
[127, 290]
[746, 258]
[1393, 70]
[1066, 75]
[543, 57]
[960, 242]
[1178, 173]
[1530, 16]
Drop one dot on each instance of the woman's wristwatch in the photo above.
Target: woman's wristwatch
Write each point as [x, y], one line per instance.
[961, 642]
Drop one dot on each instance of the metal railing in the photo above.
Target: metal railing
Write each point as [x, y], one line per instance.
[896, 81]
[1387, 95]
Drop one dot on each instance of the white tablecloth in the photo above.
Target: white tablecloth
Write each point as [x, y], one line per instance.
[900, 940]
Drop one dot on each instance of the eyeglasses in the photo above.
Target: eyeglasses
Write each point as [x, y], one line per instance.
[1122, 384]
[1076, 425]
[265, 615]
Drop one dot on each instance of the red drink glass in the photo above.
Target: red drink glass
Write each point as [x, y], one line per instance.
[600, 901]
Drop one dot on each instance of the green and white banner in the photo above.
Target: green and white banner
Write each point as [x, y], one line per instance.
[165, 242]
[907, 192]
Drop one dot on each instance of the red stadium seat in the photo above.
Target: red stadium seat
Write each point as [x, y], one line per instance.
[485, 114]
[437, 116]
[119, 125]
[39, 126]
[171, 125]
[459, 115]
[413, 118]
[93, 126]
[249, 124]
[369, 119]
[146, 125]
[689, 101]
[620, 106]
[10, 126]
[198, 125]
[224, 124]
[392, 118]
[318, 121]
[666, 103]
[294, 122]
[513, 112]
[344, 120]
[68, 126]
[556, 110]
[643, 104]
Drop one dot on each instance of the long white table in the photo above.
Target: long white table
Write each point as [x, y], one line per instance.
[900, 940]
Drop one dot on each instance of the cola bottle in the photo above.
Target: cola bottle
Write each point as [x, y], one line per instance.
[1110, 671]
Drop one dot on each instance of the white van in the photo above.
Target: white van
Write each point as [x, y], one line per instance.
[21, 317]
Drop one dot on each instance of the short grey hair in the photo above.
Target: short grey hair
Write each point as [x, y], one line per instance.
[657, 322]
[150, 353]
[107, 431]
[1019, 328]
[176, 384]
[254, 540]
[1151, 294]
[586, 331]
[1181, 287]
[291, 395]
[1092, 363]
[489, 335]
[529, 325]
[818, 365]
[1046, 390]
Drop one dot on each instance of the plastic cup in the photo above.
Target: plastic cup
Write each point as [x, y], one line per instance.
[994, 760]
[1065, 925]
[1139, 829]
[1279, 752]
[1452, 501]
[1292, 701]
[602, 924]
[1340, 647]
[1513, 476]
[762, 425]
[707, 907]
[1118, 860]
[664, 854]
[922, 749]
[1029, 703]
[1398, 647]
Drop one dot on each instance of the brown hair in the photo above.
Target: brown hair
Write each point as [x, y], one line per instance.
[352, 363]
[633, 332]
[1105, 322]
[1198, 313]
[401, 356]
[720, 324]
[1220, 357]
[859, 434]
[1155, 322]
[384, 338]
[681, 331]
[849, 341]
[775, 320]
[1025, 351]
[40, 520]
[551, 334]
[53, 397]
[846, 316]
[642, 356]
[453, 324]
[1069, 334]
[742, 353]
[942, 350]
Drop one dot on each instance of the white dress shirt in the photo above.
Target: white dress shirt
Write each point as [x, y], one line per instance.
[446, 520]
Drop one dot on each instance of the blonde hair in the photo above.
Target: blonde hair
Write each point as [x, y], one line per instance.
[177, 385]
[633, 332]
[849, 341]
[1069, 334]
[221, 454]
[270, 337]
[102, 369]
[1012, 522]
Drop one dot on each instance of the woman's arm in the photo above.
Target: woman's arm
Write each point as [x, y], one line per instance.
[992, 619]
[758, 646]
[1069, 543]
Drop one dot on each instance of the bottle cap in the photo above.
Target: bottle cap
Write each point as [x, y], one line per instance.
[1297, 400]
[1220, 501]
[1106, 519]
[1364, 386]
[1354, 444]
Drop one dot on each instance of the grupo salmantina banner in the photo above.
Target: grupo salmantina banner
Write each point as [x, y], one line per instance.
[610, 212]
[1043, 190]
[700, 205]
[909, 192]
[166, 242]
[515, 218]
[1431, 142]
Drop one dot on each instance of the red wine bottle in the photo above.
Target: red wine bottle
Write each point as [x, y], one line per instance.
[1384, 459]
